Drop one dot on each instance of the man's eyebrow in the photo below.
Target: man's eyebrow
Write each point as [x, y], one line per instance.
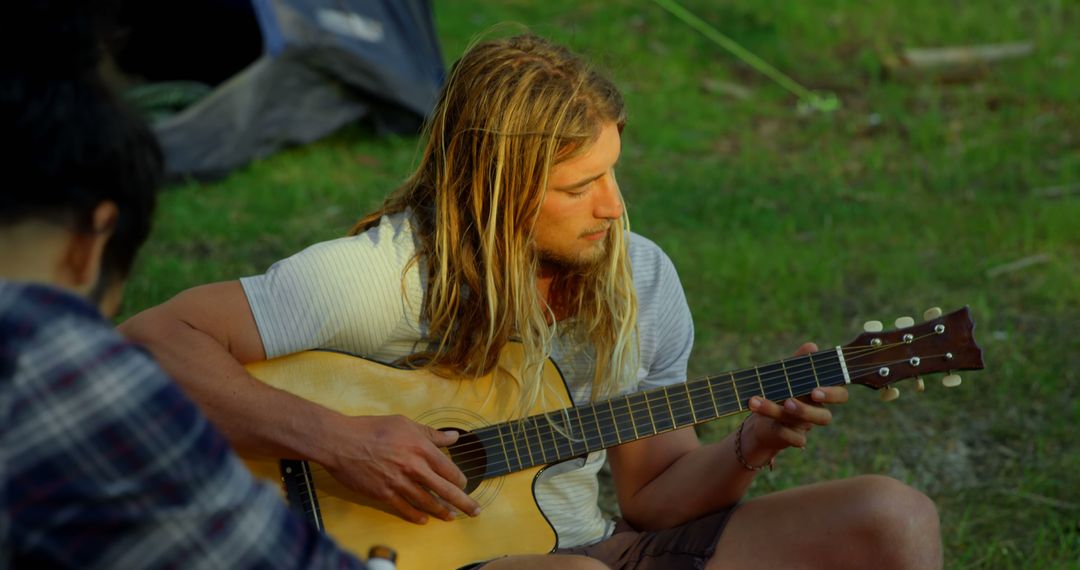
[580, 183]
[585, 181]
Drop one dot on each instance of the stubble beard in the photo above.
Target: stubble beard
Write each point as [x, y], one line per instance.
[578, 262]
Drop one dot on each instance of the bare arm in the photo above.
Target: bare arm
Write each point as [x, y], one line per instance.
[670, 479]
[660, 483]
[203, 336]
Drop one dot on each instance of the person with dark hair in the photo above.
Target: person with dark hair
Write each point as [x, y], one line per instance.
[511, 237]
[104, 462]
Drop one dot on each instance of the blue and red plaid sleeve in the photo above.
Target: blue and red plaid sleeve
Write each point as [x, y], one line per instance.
[106, 463]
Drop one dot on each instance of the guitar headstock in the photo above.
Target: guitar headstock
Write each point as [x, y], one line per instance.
[942, 343]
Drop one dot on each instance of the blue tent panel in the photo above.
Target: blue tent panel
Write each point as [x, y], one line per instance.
[326, 63]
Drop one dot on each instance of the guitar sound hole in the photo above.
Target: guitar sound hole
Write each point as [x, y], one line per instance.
[469, 455]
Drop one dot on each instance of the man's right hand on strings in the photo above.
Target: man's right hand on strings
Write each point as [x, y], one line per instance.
[397, 462]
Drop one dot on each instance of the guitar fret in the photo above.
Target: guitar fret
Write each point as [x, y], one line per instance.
[667, 401]
[727, 402]
[614, 421]
[834, 367]
[609, 430]
[519, 443]
[760, 383]
[671, 412]
[609, 433]
[712, 397]
[627, 429]
[554, 437]
[525, 441]
[648, 408]
[735, 386]
[787, 378]
[505, 450]
[777, 390]
[539, 438]
[514, 442]
[746, 383]
[642, 415]
[813, 370]
[584, 434]
[693, 414]
[599, 428]
[633, 422]
[528, 429]
[701, 408]
[569, 432]
[682, 407]
[749, 386]
[658, 413]
[804, 383]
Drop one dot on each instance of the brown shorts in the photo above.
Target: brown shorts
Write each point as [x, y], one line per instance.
[685, 547]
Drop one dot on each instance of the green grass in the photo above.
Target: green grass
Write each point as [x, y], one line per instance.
[788, 227]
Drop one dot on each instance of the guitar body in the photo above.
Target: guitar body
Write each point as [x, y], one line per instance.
[355, 386]
[502, 452]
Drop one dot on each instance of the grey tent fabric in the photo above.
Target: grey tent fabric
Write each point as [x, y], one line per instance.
[327, 63]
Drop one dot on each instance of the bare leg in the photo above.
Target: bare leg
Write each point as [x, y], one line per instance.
[542, 562]
[863, 522]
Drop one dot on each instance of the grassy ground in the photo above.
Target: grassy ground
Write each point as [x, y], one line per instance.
[788, 227]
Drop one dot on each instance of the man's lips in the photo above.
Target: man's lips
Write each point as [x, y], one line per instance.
[596, 234]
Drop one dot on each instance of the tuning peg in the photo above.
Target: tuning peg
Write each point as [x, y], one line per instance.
[873, 326]
[951, 381]
[889, 394]
[904, 322]
[931, 313]
[920, 386]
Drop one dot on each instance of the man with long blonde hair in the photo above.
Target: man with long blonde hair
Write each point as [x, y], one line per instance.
[513, 228]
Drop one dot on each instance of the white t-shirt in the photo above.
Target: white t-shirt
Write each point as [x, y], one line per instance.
[348, 294]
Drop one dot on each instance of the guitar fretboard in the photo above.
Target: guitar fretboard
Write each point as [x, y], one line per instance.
[573, 432]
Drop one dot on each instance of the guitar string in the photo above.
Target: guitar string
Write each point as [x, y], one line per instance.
[702, 385]
[778, 379]
[478, 450]
[529, 435]
[522, 436]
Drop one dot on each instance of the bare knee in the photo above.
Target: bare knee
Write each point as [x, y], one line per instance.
[899, 524]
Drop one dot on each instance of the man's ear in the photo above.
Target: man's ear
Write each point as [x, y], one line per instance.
[82, 260]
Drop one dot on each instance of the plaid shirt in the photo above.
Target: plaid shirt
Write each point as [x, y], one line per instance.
[104, 463]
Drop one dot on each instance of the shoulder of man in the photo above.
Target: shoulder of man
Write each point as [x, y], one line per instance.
[650, 265]
[641, 246]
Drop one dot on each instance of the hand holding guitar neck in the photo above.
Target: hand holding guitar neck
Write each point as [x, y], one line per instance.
[787, 423]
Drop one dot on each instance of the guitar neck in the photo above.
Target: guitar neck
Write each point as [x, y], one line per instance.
[572, 432]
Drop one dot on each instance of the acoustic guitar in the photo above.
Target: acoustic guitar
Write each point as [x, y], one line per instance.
[502, 455]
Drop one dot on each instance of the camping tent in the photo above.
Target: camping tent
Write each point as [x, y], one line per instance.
[322, 64]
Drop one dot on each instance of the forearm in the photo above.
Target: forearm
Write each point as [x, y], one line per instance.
[258, 420]
[700, 482]
[203, 335]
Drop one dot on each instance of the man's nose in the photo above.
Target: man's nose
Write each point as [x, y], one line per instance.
[609, 202]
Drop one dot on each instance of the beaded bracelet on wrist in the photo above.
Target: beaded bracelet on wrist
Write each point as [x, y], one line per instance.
[742, 458]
